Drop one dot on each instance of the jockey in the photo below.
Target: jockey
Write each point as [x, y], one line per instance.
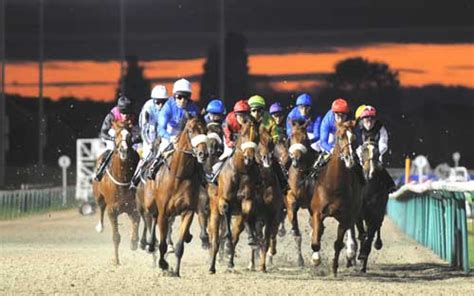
[148, 121]
[232, 126]
[278, 113]
[215, 112]
[264, 119]
[372, 129]
[301, 113]
[358, 112]
[339, 113]
[171, 119]
[121, 112]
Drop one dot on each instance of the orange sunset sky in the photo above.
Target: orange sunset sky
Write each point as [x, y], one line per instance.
[419, 64]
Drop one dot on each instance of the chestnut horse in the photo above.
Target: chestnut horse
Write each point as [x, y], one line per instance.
[268, 203]
[113, 193]
[374, 202]
[337, 194]
[175, 190]
[235, 193]
[302, 158]
[215, 146]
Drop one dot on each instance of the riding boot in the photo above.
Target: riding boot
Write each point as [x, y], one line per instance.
[154, 167]
[136, 176]
[101, 169]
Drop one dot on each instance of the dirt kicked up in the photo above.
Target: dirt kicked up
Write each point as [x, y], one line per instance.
[61, 253]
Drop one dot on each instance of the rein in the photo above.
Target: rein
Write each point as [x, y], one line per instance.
[115, 180]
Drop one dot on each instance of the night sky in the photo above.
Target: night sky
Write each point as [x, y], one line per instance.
[88, 29]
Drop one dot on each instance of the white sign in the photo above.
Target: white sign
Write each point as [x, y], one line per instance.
[64, 161]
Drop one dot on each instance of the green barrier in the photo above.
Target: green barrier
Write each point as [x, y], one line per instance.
[19, 203]
[436, 219]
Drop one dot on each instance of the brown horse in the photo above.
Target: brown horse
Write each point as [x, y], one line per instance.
[374, 202]
[113, 193]
[302, 158]
[268, 203]
[282, 156]
[175, 190]
[235, 192]
[215, 146]
[337, 194]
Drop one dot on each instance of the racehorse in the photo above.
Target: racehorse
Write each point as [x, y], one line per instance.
[337, 194]
[282, 157]
[301, 183]
[235, 193]
[215, 147]
[113, 193]
[374, 202]
[268, 203]
[175, 190]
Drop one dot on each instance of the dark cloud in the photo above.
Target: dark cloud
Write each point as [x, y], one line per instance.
[89, 29]
[411, 71]
[461, 68]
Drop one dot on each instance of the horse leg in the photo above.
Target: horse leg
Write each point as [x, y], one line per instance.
[351, 247]
[253, 254]
[318, 229]
[338, 245]
[270, 228]
[186, 220]
[146, 226]
[113, 217]
[367, 246]
[151, 236]
[361, 230]
[203, 235]
[282, 230]
[237, 229]
[292, 212]
[163, 225]
[135, 219]
[102, 205]
[214, 225]
[378, 242]
[273, 242]
[169, 236]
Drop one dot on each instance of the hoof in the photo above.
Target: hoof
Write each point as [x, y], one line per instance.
[300, 262]
[188, 238]
[316, 259]
[170, 249]
[142, 245]
[251, 267]
[378, 245]
[163, 265]
[99, 227]
[212, 270]
[150, 249]
[282, 232]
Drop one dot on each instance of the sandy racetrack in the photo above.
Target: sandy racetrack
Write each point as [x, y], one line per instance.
[60, 252]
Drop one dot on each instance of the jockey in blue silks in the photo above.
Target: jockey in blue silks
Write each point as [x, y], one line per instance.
[301, 113]
[339, 113]
[215, 112]
[171, 118]
[148, 122]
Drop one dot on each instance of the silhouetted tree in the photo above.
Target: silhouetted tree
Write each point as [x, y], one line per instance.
[236, 76]
[137, 87]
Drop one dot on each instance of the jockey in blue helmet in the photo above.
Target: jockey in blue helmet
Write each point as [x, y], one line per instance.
[215, 112]
[171, 119]
[302, 113]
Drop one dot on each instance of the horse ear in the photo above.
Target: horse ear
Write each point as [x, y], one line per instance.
[350, 124]
[292, 123]
[306, 123]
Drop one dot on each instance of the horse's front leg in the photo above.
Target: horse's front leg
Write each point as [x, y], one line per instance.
[135, 219]
[214, 225]
[367, 245]
[113, 217]
[338, 245]
[186, 220]
[169, 236]
[292, 213]
[163, 225]
[102, 205]
[318, 229]
[351, 247]
[237, 228]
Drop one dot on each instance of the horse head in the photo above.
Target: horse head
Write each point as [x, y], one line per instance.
[214, 135]
[345, 139]
[123, 137]
[370, 154]
[247, 141]
[194, 136]
[299, 142]
[265, 148]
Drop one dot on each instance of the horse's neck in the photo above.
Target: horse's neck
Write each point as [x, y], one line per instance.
[122, 169]
[238, 162]
[181, 160]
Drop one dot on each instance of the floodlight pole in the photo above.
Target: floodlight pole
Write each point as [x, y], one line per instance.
[122, 46]
[41, 118]
[222, 52]
[3, 120]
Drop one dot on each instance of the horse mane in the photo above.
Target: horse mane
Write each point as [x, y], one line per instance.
[265, 137]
